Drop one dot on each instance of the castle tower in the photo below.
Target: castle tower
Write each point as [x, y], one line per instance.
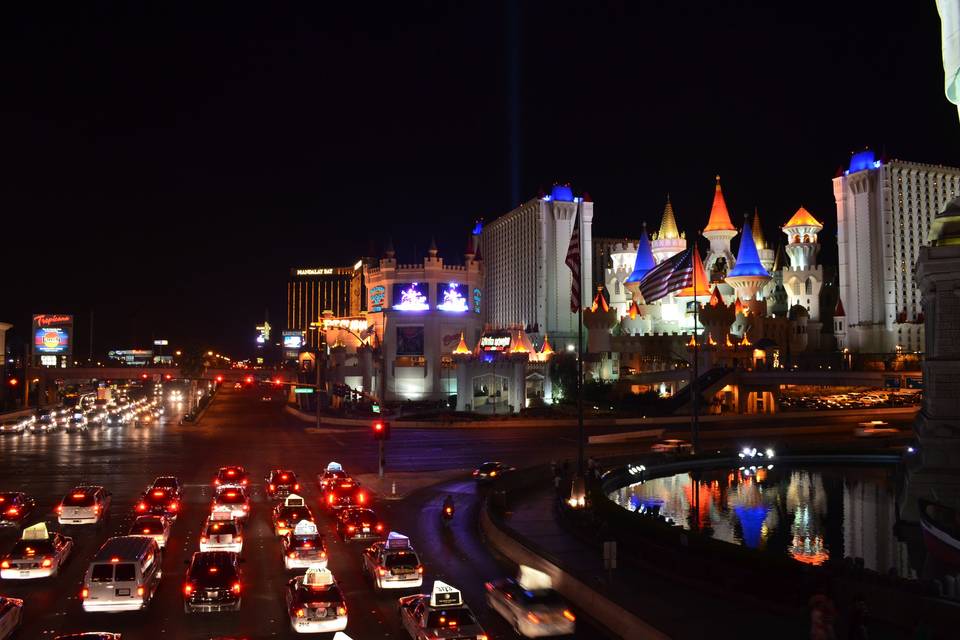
[668, 241]
[766, 253]
[717, 317]
[644, 261]
[840, 326]
[719, 231]
[621, 263]
[803, 278]
[748, 276]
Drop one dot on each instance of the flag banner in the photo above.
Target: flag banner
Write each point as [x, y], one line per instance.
[573, 261]
[671, 275]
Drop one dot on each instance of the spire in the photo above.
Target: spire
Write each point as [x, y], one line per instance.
[462, 349]
[388, 251]
[645, 260]
[715, 298]
[546, 350]
[803, 218]
[748, 260]
[758, 231]
[432, 251]
[599, 301]
[634, 310]
[700, 274]
[719, 216]
[839, 311]
[668, 225]
[778, 259]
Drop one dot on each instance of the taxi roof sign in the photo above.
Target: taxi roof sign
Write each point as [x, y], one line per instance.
[293, 500]
[305, 528]
[443, 595]
[340, 635]
[317, 577]
[36, 532]
[221, 512]
[397, 541]
[334, 466]
[532, 579]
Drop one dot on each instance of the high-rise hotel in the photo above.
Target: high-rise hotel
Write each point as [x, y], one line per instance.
[313, 290]
[884, 211]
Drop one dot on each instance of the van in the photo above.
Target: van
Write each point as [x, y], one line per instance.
[123, 575]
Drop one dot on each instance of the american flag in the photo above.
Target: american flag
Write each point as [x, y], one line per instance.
[573, 261]
[671, 275]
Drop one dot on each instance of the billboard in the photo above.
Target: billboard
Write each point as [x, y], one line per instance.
[52, 334]
[377, 298]
[292, 339]
[476, 300]
[410, 296]
[452, 297]
[410, 341]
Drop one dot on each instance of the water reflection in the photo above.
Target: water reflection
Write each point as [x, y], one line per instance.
[811, 515]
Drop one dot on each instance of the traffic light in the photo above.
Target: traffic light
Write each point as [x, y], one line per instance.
[248, 379]
[381, 430]
[167, 376]
[219, 379]
[144, 376]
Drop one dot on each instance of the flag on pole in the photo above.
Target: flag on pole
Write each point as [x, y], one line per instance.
[671, 275]
[573, 261]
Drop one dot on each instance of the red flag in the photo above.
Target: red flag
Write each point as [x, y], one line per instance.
[573, 261]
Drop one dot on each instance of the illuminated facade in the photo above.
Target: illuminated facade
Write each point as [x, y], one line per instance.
[526, 278]
[313, 290]
[884, 212]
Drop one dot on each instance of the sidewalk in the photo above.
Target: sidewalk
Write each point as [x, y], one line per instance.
[675, 609]
[397, 485]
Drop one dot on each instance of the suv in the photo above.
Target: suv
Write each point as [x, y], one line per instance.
[84, 505]
[123, 575]
[212, 582]
[281, 483]
[15, 508]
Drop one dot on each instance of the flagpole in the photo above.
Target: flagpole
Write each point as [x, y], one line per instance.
[580, 465]
[694, 394]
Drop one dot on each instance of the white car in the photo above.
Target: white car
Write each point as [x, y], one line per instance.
[315, 603]
[393, 564]
[442, 614]
[38, 554]
[11, 614]
[233, 498]
[221, 532]
[530, 605]
[84, 505]
[157, 527]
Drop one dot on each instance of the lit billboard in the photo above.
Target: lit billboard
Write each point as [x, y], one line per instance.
[452, 297]
[410, 296]
[377, 298]
[52, 334]
[292, 339]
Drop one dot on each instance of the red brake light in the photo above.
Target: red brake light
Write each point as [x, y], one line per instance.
[273, 488]
[379, 527]
[78, 495]
[382, 571]
[231, 494]
[187, 589]
[341, 611]
[284, 477]
[361, 497]
[351, 528]
[141, 506]
[84, 593]
[300, 613]
[173, 506]
[231, 472]
[158, 493]
[420, 569]
[296, 487]
[5, 564]
[12, 511]
[330, 498]
[140, 591]
[292, 555]
[236, 587]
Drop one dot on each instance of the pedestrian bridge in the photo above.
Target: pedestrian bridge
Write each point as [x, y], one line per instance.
[71, 375]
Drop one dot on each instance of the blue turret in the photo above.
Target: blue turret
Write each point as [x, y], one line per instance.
[748, 260]
[645, 260]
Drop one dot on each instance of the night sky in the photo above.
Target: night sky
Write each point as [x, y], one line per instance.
[164, 167]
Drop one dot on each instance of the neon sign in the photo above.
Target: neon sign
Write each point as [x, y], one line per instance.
[411, 297]
[476, 300]
[377, 296]
[450, 298]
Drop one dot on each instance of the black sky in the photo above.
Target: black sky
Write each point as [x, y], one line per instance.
[166, 165]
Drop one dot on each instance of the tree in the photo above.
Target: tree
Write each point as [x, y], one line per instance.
[563, 375]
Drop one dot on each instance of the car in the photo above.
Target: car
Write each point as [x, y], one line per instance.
[155, 526]
[530, 604]
[114, 419]
[235, 498]
[38, 554]
[359, 524]
[393, 563]
[221, 532]
[490, 471]
[12, 427]
[170, 483]
[77, 424]
[235, 476]
[46, 422]
[11, 615]
[123, 575]
[315, 603]
[442, 614]
[90, 635]
[304, 547]
[86, 504]
[15, 508]
[291, 511]
[332, 474]
[213, 582]
[266, 399]
[342, 494]
[158, 501]
[281, 483]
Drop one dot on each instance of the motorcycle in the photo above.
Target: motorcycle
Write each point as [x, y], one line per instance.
[446, 515]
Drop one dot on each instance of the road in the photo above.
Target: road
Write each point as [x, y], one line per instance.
[240, 428]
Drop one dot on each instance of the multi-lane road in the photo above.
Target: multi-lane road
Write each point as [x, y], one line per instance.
[242, 429]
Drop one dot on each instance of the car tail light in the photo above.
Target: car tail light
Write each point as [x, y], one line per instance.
[96, 509]
[330, 498]
[300, 613]
[238, 538]
[84, 593]
[59, 509]
[47, 563]
[244, 481]
[281, 523]
[292, 555]
[379, 527]
[361, 497]
[246, 507]
[488, 586]
[569, 615]
[420, 569]
[296, 487]
[476, 472]
[382, 571]
[273, 487]
[13, 511]
[141, 506]
[187, 589]
[341, 611]
[236, 587]
[323, 555]
[5, 564]
[351, 528]
[141, 591]
[203, 539]
[482, 636]
[532, 617]
[216, 481]
[174, 506]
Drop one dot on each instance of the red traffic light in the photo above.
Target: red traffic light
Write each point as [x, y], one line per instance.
[378, 426]
[144, 376]
[167, 376]
[248, 379]
[277, 381]
[381, 430]
[219, 378]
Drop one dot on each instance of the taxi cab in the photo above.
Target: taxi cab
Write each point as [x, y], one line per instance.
[11, 614]
[84, 505]
[159, 501]
[333, 473]
[315, 603]
[303, 547]
[291, 511]
[359, 524]
[221, 532]
[281, 483]
[157, 527]
[38, 554]
[15, 507]
[235, 476]
[530, 604]
[442, 615]
[235, 498]
[393, 563]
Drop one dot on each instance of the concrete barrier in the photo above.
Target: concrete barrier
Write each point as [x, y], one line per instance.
[13, 415]
[609, 614]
